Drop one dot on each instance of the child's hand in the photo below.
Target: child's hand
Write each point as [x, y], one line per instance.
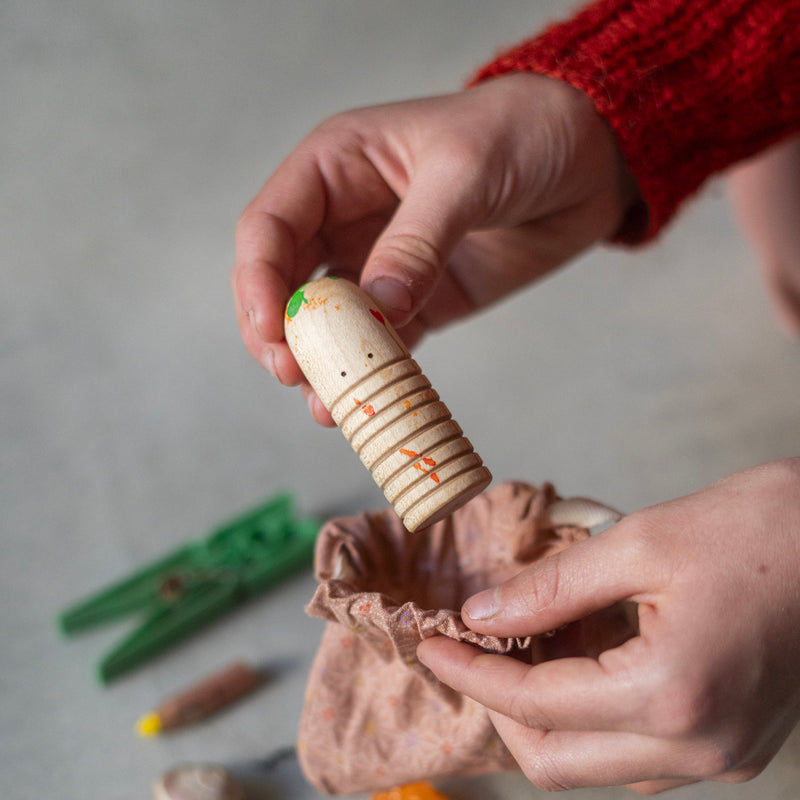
[436, 206]
[709, 689]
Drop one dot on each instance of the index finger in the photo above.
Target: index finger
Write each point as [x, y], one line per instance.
[568, 585]
[276, 243]
[564, 694]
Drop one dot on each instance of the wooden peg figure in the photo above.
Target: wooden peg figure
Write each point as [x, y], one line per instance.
[365, 376]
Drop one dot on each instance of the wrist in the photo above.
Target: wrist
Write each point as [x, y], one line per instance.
[687, 88]
[558, 135]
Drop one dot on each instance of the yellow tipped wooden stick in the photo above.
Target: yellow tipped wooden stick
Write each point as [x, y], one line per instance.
[149, 725]
[201, 700]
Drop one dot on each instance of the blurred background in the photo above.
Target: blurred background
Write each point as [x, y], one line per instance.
[132, 420]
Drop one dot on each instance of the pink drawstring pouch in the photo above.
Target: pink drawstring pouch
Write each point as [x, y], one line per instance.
[374, 717]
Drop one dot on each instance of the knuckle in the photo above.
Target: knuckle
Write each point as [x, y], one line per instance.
[727, 757]
[417, 255]
[525, 710]
[785, 473]
[746, 773]
[462, 154]
[251, 229]
[689, 712]
[644, 530]
[333, 125]
[341, 133]
[260, 231]
[683, 709]
[246, 224]
[545, 775]
[730, 754]
[546, 587]
[712, 760]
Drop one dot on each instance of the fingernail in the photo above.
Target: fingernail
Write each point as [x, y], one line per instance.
[268, 360]
[311, 400]
[482, 605]
[254, 322]
[309, 395]
[391, 294]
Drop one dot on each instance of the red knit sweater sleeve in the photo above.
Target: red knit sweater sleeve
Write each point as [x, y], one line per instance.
[688, 86]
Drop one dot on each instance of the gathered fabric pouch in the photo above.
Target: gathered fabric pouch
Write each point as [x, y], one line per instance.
[374, 716]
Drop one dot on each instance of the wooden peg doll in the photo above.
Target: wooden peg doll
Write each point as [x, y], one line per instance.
[384, 405]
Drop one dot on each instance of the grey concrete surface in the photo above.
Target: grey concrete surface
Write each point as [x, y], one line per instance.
[132, 418]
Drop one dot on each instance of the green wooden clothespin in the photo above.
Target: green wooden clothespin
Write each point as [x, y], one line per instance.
[196, 583]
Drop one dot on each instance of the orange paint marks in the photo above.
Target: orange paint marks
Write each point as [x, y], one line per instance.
[313, 303]
[368, 409]
[407, 404]
[423, 464]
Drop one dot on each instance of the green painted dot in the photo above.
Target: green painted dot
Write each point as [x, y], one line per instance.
[297, 300]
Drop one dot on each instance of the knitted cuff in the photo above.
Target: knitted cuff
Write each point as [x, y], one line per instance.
[687, 87]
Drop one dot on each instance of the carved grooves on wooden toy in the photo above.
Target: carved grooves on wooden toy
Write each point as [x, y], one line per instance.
[387, 374]
[399, 413]
[413, 450]
[446, 472]
[405, 435]
[449, 496]
[396, 423]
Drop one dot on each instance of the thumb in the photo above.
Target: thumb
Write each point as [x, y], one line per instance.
[561, 588]
[411, 254]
